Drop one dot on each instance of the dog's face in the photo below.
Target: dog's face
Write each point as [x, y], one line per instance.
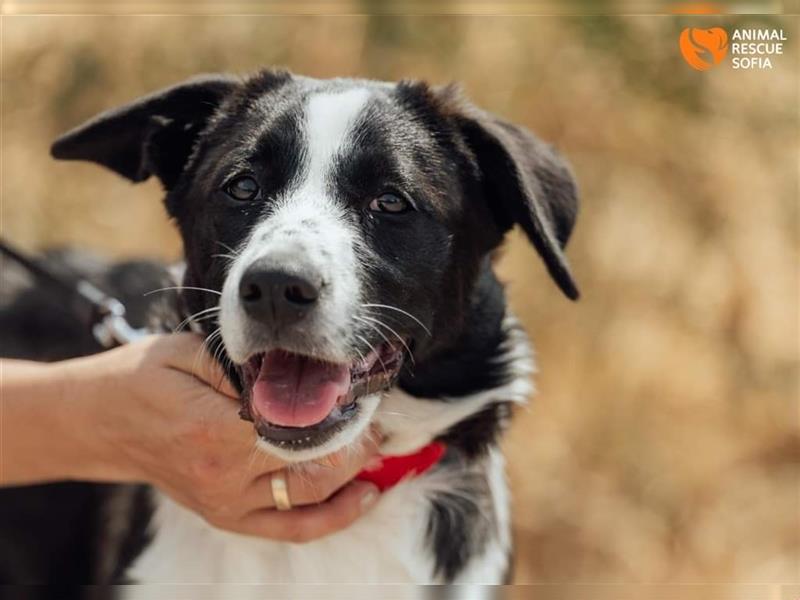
[344, 222]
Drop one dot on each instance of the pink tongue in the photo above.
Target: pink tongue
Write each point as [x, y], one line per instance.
[297, 391]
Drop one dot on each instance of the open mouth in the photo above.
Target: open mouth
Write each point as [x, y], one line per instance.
[298, 401]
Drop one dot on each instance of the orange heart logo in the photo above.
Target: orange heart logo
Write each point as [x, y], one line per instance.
[703, 48]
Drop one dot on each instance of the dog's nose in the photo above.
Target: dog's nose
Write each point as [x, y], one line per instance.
[275, 296]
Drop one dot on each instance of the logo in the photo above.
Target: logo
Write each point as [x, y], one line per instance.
[703, 48]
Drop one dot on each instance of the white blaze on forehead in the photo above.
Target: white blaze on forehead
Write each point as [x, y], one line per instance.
[306, 233]
[329, 119]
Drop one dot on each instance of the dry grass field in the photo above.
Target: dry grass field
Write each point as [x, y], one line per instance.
[662, 445]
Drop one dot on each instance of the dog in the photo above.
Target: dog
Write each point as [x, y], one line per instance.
[344, 230]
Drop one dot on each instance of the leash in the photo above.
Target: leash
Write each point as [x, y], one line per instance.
[106, 315]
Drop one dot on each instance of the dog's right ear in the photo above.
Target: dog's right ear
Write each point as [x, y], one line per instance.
[151, 136]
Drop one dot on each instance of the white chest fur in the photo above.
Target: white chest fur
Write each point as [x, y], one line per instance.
[388, 545]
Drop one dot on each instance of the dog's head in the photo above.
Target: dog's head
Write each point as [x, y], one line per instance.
[345, 223]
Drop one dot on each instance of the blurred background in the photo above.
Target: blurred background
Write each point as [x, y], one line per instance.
[663, 444]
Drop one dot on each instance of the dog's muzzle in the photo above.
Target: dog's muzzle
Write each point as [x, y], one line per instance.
[300, 401]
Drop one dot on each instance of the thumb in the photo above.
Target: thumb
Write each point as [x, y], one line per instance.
[187, 352]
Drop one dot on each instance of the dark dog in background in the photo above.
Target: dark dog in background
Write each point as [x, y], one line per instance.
[51, 533]
[345, 229]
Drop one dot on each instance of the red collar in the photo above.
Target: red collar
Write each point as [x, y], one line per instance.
[394, 469]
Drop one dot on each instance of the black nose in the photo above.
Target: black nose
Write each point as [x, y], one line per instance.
[276, 297]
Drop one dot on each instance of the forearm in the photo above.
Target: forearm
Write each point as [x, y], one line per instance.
[153, 411]
[45, 427]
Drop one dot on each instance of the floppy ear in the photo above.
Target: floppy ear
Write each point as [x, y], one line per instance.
[527, 184]
[150, 136]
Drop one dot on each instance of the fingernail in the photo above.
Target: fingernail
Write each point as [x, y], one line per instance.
[369, 498]
[374, 463]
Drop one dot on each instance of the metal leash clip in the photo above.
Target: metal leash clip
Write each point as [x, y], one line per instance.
[106, 314]
[109, 325]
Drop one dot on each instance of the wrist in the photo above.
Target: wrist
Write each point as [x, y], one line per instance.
[38, 437]
[90, 440]
[66, 419]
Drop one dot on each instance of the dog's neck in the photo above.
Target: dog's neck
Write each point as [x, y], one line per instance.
[471, 362]
[462, 395]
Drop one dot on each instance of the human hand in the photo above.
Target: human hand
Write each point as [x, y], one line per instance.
[161, 411]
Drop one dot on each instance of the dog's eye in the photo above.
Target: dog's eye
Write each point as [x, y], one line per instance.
[389, 203]
[243, 188]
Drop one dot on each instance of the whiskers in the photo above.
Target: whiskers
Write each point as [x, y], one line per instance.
[228, 248]
[231, 255]
[396, 309]
[370, 320]
[372, 348]
[214, 348]
[201, 315]
[181, 288]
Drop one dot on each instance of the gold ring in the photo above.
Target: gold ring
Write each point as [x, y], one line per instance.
[280, 491]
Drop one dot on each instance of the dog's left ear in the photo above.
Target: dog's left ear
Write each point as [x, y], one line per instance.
[525, 182]
[153, 135]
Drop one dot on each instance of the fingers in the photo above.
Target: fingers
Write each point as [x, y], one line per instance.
[186, 352]
[313, 483]
[307, 523]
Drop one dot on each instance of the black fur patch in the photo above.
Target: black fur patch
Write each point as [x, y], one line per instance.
[473, 361]
[52, 534]
[462, 518]
[132, 541]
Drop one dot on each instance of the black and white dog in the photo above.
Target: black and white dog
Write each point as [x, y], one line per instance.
[348, 226]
